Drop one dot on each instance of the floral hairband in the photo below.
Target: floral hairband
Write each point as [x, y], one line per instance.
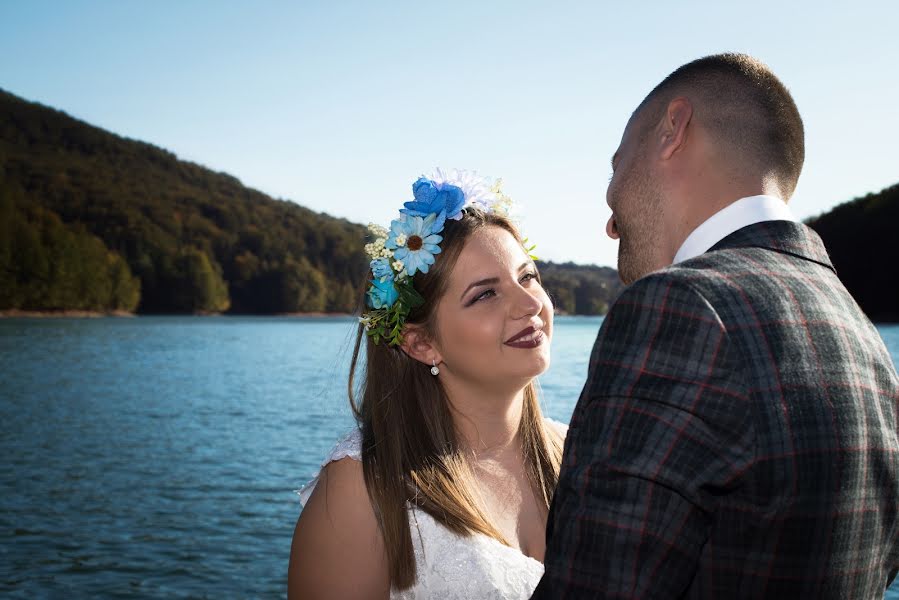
[413, 241]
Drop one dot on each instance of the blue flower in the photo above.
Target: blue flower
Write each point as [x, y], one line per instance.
[424, 190]
[414, 241]
[443, 199]
[382, 294]
[380, 268]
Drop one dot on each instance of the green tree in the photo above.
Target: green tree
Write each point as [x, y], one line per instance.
[32, 272]
[7, 265]
[53, 266]
[201, 288]
[303, 287]
[343, 297]
[124, 288]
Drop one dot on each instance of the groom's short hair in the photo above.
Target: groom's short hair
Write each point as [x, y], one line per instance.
[747, 109]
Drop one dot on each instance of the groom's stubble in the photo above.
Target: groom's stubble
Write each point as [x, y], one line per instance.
[637, 201]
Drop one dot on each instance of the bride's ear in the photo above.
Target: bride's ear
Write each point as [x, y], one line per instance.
[419, 346]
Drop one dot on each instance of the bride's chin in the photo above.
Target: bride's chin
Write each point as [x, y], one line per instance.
[536, 367]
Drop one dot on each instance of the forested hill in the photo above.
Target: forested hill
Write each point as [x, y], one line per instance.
[862, 238]
[93, 221]
[196, 240]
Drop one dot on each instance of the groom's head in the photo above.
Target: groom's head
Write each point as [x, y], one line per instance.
[715, 130]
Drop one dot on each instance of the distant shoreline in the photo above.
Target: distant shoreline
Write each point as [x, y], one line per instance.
[89, 314]
[50, 314]
[310, 314]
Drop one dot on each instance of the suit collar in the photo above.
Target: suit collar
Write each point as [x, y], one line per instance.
[787, 237]
[734, 216]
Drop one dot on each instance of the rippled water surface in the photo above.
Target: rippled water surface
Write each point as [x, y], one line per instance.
[156, 457]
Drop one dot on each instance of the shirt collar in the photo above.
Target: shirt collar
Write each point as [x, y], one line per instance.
[739, 214]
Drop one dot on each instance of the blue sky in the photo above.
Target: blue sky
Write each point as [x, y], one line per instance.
[339, 106]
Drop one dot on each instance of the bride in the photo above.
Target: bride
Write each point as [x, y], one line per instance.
[443, 490]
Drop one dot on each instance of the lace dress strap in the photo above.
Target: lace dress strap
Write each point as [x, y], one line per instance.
[350, 445]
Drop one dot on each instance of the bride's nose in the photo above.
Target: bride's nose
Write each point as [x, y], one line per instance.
[527, 304]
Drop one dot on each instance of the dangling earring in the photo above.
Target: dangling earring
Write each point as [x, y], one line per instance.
[434, 370]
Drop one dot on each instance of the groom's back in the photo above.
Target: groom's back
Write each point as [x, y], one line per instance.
[814, 514]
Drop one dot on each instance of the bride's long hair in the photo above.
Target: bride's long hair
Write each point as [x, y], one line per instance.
[411, 450]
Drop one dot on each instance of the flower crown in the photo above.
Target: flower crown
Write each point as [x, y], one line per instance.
[413, 241]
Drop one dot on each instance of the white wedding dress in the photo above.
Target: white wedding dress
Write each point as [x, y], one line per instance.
[449, 566]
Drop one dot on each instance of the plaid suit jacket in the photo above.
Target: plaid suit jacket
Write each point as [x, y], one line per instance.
[737, 436]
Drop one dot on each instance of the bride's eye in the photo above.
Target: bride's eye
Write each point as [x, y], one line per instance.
[529, 276]
[485, 294]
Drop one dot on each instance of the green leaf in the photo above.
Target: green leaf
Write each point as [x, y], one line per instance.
[411, 298]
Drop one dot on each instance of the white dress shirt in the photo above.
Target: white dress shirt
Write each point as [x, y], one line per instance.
[743, 212]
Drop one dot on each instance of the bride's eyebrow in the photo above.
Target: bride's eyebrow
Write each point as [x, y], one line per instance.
[492, 280]
[489, 281]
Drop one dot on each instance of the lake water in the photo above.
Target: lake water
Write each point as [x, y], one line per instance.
[156, 457]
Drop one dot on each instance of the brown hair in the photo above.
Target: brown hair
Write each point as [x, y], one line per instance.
[411, 451]
[746, 107]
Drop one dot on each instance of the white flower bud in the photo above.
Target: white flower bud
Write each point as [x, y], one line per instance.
[377, 230]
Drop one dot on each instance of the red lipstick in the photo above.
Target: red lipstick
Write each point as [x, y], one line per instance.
[529, 337]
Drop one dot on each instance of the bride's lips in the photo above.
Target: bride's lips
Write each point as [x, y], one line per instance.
[528, 337]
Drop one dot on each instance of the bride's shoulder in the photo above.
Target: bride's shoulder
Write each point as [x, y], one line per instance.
[347, 446]
[338, 523]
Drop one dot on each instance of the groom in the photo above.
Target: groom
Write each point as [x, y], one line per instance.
[737, 435]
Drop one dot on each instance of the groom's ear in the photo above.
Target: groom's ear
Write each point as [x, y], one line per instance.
[418, 345]
[673, 130]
